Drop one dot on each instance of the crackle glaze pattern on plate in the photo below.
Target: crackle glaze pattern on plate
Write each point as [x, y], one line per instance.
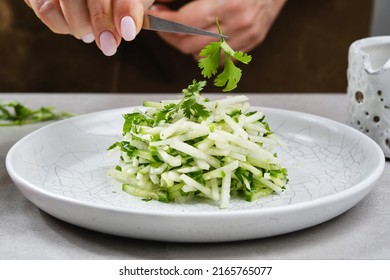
[62, 169]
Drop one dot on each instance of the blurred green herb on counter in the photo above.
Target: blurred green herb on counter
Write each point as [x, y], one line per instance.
[14, 113]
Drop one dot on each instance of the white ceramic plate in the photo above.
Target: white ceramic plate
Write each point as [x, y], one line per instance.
[62, 169]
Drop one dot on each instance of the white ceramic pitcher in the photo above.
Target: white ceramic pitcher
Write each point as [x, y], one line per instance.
[369, 89]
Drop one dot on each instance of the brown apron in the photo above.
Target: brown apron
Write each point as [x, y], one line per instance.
[305, 51]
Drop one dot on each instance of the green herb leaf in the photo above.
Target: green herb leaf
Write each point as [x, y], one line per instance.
[194, 89]
[239, 55]
[189, 105]
[133, 119]
[124, 146]
[192, 108]
[154, 154]
[167, 114]
[230, 76]
[211, 60]
[15, 113]
[197, 176]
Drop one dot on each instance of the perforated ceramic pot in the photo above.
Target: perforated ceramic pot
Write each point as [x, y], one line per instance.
[369, 89]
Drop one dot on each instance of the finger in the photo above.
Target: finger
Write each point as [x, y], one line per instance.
[77, 16]
[187, 44]
[204, 18]
[103, 27]
[206, 12]
[28, 3]
[157, 7]
[190, 44]
[50, 13]
[128, 17]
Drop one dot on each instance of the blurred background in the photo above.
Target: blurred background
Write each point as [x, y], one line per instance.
[380, 20]
[305, 51]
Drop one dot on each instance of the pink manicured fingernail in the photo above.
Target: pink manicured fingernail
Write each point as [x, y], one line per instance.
[128, 28]
[89, 38]
[108, 43]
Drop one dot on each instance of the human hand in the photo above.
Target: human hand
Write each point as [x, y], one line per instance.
[246, 22]
[103, 21]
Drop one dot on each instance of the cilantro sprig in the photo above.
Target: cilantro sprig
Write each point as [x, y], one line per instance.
[189, 104]
[192, 109]
[15, 113]
[211, 61]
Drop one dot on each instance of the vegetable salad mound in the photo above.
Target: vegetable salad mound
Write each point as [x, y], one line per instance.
[178, 150]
